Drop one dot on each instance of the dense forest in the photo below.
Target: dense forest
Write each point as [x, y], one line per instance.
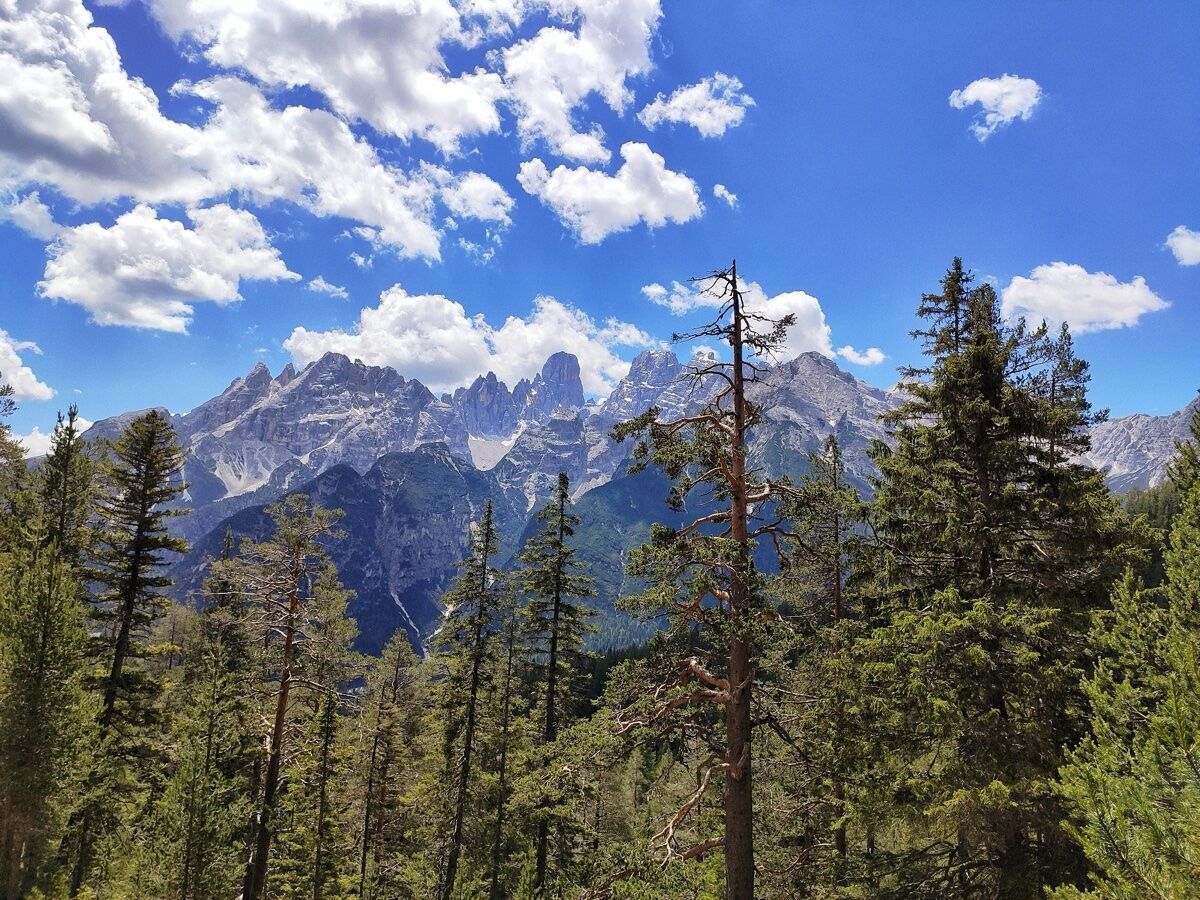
[979, 679]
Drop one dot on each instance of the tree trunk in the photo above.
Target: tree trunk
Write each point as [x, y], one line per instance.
[256, 869]
[739, 800]
[551, 724]
[502, 786]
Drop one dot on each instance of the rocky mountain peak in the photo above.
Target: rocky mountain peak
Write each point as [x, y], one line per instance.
[557, 387]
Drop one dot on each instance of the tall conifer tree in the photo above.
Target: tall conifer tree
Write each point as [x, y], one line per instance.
[994, 548]
[139, 481]
[704, 576]
[557, 626]
[473, 607]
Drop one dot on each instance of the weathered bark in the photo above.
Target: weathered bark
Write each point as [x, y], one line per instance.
[739, 798]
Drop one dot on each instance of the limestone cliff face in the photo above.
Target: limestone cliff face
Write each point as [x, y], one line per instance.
[1133, 451]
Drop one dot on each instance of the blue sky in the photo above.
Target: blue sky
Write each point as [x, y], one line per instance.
[152, 187]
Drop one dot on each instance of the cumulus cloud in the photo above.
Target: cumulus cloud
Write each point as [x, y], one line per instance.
[1087, 301]
[146, 272]
[810, 332]
[594, 204]
[1185, 244]
[376, 61]
[73, 118]
[476, 196]
[872, 356]
[321, 286]
[37, 442]
[32, 216]
[432, 338]
[14, 372]
[723, 193]
[595, 47]
[1001, 100]
[712, 106]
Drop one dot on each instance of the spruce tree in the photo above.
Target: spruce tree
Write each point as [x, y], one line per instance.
[65, 487]
[994, 548]
[556, 628]
[42, 703]
[704, 577]
[199, 833]
[1134, 782]
[815, 782]
[505, 683]
[473, 604]
[139, 481]
[390, 720]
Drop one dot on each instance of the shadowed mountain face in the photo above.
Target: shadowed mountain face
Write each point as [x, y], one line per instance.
[406, 524]
[412, 470]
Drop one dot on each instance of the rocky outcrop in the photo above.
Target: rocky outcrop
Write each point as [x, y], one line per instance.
[1133, 451]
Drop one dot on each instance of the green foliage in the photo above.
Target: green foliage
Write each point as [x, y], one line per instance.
[43, 708]
[994, 548]
[139, 480]
[1134, 782]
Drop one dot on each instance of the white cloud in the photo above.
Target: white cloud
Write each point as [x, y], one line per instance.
[810, 331]
[872, 356]
[321, 286]
[71, 117]
[375, 60]
[1002, 100]
[712, 106]
[432, 338]
[1087, 301]
[476, 196]
[1185, 244]
[37, 442]
[32, 216]
[14, 372]
[723, 193]
[594, 204]
[680, 298]
[481, 253]
[146, 272]
[553, 72]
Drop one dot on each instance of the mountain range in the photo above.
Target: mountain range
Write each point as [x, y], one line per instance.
[412, 469]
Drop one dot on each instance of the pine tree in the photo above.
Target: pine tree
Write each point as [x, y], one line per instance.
[704, 575]
[994, 548]
[1134, 782]
[198, 835]
[815, 741]
[65, 486]
[556, 627]
[292, 591]
[42, 707]
[139, 480]
[390, 722]
[505, 683]
[473, 606]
